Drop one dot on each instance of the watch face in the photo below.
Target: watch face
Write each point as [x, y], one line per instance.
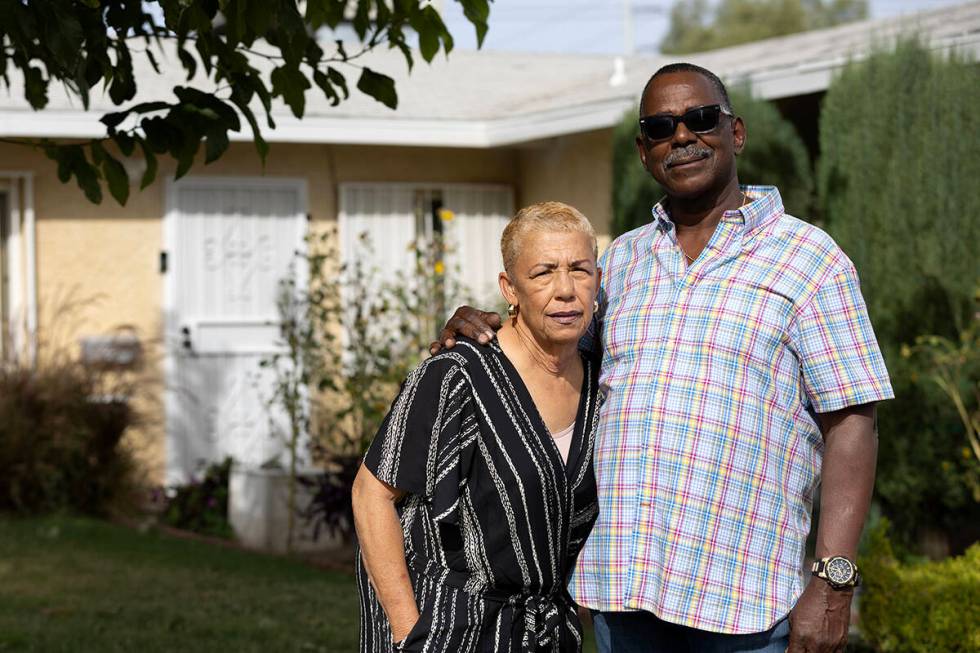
[840, 571]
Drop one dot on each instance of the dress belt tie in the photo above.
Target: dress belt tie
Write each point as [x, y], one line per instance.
[541, 613]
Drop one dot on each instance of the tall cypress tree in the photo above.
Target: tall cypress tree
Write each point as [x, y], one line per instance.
[899, 188]
[899, 182]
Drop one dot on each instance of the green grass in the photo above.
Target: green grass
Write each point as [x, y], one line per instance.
[74, 584]
[77, 584]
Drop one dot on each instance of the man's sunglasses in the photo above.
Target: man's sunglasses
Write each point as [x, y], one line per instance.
[699, 120]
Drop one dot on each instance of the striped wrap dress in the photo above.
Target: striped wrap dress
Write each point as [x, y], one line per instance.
[494, 518]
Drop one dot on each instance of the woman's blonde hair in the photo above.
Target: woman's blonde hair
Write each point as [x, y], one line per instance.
[543, 216]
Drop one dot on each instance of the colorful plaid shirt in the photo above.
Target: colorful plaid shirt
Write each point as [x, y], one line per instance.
[709, 452]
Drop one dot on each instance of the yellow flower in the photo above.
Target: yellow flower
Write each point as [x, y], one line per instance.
[440, 268]
[446, 215]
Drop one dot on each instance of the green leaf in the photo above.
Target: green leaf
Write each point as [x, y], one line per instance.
[291, 84]
[153, 61]
[151, 165]
[118, 180]
[323, 82]
[477, 12]
[98, 152]
[260, 145]
[337, 79]
[149, 107]
[184, 148]
[379, 86]
[216, 145]
[188, 61]
[158, 134]
[35, 87]
[210, 106]
[125, 143]
[428, 39]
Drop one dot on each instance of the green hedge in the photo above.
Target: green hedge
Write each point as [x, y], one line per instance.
[774, 155]
[899, 191]
[925, 607]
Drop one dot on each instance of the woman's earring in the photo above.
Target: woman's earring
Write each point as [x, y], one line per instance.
[595, 305]
[511, 311]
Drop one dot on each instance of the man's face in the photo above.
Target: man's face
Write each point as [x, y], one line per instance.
[689, 164]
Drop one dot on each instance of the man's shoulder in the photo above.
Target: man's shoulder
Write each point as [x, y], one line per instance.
[807, 238]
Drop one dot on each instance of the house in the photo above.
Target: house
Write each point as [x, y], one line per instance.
[190, 267]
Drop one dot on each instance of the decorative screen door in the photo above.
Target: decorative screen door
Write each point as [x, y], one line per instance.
[229, 243]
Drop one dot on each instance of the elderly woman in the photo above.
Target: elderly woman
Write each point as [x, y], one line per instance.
[478, 492]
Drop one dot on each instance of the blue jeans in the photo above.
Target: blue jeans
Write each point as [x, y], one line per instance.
[642, 632]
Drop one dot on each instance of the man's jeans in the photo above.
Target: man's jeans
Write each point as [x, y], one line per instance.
[641, 632]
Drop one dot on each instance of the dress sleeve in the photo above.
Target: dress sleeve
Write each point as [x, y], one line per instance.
[842, 365]
[417, 449]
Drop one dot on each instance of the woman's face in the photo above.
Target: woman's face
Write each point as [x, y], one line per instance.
[553, 283]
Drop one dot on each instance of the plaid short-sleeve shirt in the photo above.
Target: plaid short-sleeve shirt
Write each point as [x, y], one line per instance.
[708, 452]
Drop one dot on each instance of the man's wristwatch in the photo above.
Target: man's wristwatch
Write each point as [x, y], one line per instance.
[838, 571]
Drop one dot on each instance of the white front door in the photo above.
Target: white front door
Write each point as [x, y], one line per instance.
[229, 242]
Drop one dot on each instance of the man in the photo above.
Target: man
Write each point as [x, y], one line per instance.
[739, 366]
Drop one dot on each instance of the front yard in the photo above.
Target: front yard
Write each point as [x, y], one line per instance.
[75, 584]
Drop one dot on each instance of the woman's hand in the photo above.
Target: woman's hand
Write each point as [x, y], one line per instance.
[470, 322]
[402, 627]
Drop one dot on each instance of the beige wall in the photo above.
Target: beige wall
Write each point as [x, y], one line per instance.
[104, 258]
[575, 169]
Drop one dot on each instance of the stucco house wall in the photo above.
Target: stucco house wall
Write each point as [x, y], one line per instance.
[103, 261]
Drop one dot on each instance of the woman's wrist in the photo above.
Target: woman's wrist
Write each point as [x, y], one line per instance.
[402, 625]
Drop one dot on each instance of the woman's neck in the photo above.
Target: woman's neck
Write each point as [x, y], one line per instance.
[555, 359]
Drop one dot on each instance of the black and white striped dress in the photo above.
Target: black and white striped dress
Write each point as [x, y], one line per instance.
[494, 518]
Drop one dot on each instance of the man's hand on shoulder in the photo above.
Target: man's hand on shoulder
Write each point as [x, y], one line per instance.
[470, 322]
[820, 620]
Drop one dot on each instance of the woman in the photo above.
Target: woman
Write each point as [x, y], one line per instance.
[477, 493]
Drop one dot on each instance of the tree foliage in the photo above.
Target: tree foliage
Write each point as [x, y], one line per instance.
[898, 187]
[238, 56]
[774, 155]
[697, 26]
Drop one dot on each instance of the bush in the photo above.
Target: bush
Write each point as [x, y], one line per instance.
[920, 607]
[898, 189]
[899, 186]
[60, 440]
[774, 155]
[201, 506]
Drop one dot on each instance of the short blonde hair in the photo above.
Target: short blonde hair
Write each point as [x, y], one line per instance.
[543, 216]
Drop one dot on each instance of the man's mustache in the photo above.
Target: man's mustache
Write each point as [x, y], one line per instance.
[691, 152]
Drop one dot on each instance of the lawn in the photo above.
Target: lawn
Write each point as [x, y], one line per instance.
[75, 584]
[72, 584]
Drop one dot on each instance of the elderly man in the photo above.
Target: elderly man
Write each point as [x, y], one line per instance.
[740, 372]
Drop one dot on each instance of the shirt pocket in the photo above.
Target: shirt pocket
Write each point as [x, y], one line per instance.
[747, 330]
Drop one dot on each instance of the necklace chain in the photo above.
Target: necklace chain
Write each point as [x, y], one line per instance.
[690, 259]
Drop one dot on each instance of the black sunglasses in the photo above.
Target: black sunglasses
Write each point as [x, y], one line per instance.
[698, 120]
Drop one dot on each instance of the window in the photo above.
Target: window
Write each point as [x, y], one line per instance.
[456, 227]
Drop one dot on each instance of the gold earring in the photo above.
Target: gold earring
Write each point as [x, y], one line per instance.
[511, 311]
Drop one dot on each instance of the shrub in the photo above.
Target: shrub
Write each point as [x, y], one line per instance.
[919, 607]
[201, 506]
[774, 155]
[898, 190]
[60, 440]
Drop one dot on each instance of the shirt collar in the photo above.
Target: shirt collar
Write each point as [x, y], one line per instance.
[764, 205]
